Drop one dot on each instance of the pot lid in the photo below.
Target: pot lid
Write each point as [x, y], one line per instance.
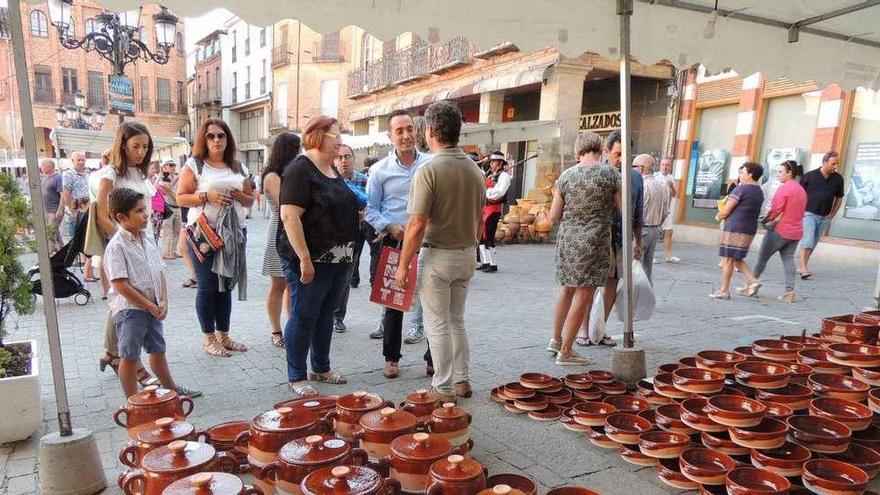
[421, 397]
[284, 419]
[316, 404]
[342, 480]
[501, 490]
[449, 411]
[360, 401]
[313, 449]
[178, 456]
[456, 468]
[388, 419]
[206, 484]
[152, 395]
[420, 447]
[162, 431]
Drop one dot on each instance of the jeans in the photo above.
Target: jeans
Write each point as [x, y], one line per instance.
[650, 236]
[814, 227]
[212, 306]
[309, 329]
[774, 243]
[443, 282]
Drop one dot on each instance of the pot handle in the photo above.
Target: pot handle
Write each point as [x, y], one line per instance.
[128, 455]
[422, 424]
[251, 490]
[227, 463]
[186, 400]
[204, 435]
[383, 465]
[331, 416]
[360, 457]
[394, 487]
[268, 471]
[470, 419]
[434, 489]
[119, 412]
[242, 439]
[358, 434]
[135, 477]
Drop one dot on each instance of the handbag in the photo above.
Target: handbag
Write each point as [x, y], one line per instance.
[94, 242]
[203, 238]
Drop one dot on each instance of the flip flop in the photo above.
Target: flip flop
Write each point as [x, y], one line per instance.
[805, 275]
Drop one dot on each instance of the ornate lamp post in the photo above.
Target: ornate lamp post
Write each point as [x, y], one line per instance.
[77, 116]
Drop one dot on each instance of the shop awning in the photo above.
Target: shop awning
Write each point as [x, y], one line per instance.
[367, 140]
[71, 140]
[509, 132]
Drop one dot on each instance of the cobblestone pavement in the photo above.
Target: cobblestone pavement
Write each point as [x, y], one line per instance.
[508, 316]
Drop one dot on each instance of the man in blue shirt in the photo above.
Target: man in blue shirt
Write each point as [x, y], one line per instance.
[357, 183]
[388, 195]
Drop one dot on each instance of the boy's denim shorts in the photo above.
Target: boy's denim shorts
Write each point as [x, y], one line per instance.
[136, 330]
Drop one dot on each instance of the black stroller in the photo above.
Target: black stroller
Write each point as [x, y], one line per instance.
[66, 283]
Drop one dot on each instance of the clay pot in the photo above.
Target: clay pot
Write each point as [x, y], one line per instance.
[513, 227]
[663, 385]
[535, 381]
[155, 434]
[626, 428]
[452, 423]
[412, 456]
[668, 418]
[543, 224]
[762, 375]
[349, 410]
[222, 437]
[778, 411]
[687, 362]
[348, 480]
[524, 483]
[500, 490]
[597, 437]
[872, 316]
[535, 403]
[871, 376]
[169, 463]
[669, 472]
[318, 404]
[821, 435]
[570, 424]
[592, 413]
[420, 403]
[874, 400]
[720, 441]
[634, 456]
[768, 434]
[667, 368]
[589, 394]
[799, 373]
[616, 387]
[379, 428]
[515, 390]
[601, 376]
[856, 416]
[776, 350]
[787, 460]
[512, 215]
[578, 381]
[849, 329]
[869, 437]
[527, 219]
[695, 414]
[300, 457]
[645, 391]
[705, 466]
[456, 475]
[211, 484]
[560, 397]
[818, 360]
[838, 387]
[718, 361]
[627, 403]
[572, 490]
[827, 476]
[732, 410]
[804, 340]
[795, 396]
[269, 432]
[854, 355]
[151, 404]
[663, 444]
[753, 481]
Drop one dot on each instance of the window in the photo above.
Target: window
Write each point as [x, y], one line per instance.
[330, 98]
[43, 91]
[142, 35]
[181, 98]
[263, 79]
[39, 24]
[234, 48]
[91, 26]
[69, 84]
[247, 84]
[96, 90]
[217, 86]
[330, 46]
[262, 38]
[388, 47]
[178, 43]
[251, 126]
[163, 95]
[247, 41]
[716, 129]
[234, 87]
[145, 94]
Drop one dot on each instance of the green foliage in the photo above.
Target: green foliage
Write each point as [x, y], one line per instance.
[15, 219]
[5, 359]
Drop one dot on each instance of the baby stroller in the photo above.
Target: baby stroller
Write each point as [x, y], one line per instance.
[66, 283]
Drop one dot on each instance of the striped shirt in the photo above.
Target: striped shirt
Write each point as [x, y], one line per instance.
[137, 260]
[656, 201]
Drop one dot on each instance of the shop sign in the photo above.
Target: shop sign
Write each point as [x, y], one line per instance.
[121, 95]
[709, 178]
[863, 199]
[600, 122]
[770, 180]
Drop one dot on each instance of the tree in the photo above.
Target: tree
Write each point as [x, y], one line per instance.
[15, 285]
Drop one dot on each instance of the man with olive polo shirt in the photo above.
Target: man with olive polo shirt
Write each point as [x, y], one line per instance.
[824, 187]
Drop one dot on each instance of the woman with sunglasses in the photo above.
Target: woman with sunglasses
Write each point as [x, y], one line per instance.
[211, 180]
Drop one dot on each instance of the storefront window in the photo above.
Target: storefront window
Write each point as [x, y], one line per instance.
[715, 132]
[859, 218]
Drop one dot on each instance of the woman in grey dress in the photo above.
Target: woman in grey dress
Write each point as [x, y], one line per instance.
[584, 198]
[284, 150]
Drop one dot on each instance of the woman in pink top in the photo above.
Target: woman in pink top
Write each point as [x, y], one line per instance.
[784, 224]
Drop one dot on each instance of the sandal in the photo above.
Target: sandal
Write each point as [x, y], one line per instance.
[229, 344]
[331, 377]
[278, 339]
[583, 341]
[189, 284]
[145, 378]
[805, 275]
[213, 348]
[109, 360]
[720, 295]
[753, 288]
[301, 389]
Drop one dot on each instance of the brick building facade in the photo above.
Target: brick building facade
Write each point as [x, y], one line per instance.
[205, 91]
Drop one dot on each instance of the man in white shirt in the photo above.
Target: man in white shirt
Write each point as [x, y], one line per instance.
[665, 175]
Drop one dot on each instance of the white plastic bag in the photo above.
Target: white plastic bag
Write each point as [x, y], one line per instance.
[597, 316]
[643, 295]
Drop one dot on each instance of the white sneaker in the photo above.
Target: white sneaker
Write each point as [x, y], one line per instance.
[571, 359]
[673, 259]
[553, 346]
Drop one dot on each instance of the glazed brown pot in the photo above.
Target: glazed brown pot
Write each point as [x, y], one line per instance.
[830, 476]
[501, 490]
[718, 361]
[348, 480]
[787, 460]
[819, 434]
[222, 437]
[272, 429]
[522, 482]
[411, 459]
[705, 466]
[838, 387]
[211, 484]
[300, 457]
[850, 329]
[452, 423]
[149, 405]
[456, 475]
[155, 434]
[753, 481]
[349, 410]
[853, 414]
[864, 458]
[318, 404]
[420, 403]
[776, 350]
[169, 463]
[379, 428]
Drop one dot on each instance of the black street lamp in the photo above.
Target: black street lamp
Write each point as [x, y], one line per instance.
[77, 116]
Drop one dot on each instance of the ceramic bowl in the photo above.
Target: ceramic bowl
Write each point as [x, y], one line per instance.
[592, 413]
[849, 328]
[535, 381]
[762, 375]
[516, 391]
[805, 340]
[634, 456]
[732, 410]
[705, 466]
[568, 422]
[777, 410]
[649, 414]
[768, 434]
[615, 387]
[663, 444]
[864, 458]
[720, 441]
[818, 359]
[856, 416]
[874, 400]
[497, 395]
[667, 368]
[550, 413]
[745, 350]
[695, 413]
[668, 418]
[854, 355]
[687, 362]
[578, 381]
[663, 385]
[793, 395]
[869, 437]
[626, 428]
[754, 481]
[871, 317]
[838, 387]
[591, 393]
[535, 403]
[821, 435]
[744, 390]
[799, 372]
[572, 490]
[597, 437]
[561, 396]
[718, 361]
[787, 460]
[669, 472]
[628, 403]
[871, 376]
[521, 482]
[554, 386]
[776, 350]
[831, 477]
[601, 376]
[645, 391]
[697, 381]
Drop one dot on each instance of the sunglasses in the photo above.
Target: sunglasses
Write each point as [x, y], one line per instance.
[219, 136]
[345, 157]
[331, 135]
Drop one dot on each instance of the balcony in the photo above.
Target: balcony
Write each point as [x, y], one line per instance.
[164, 106]
[44, 95]
[281, 56]
[328, 52]
[278, 120]
[4, 23]
[207, 97]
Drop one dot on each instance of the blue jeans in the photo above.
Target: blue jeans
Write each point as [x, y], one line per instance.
[814, 228]
[774, 243]
[212, 306]
[310, 327]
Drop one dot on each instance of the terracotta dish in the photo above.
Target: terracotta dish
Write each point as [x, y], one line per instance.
[830, 477]
[864, 458]
[762, 375]
[663, 385]
[821, 435]
[732, 410]
[697, 381]
[776, 350]
[720, 441]
[696, 415]
[626, 428]
[769, 434]
[592, 413]
[856, 416]
[787, 460]
[754, 481]
[838, 387]
[793, 395]
[818, 360]
[627, 403]
[663, 444]
[854, 355]
[718, 361]
[705, 466]
[669, 472]
[668, 418]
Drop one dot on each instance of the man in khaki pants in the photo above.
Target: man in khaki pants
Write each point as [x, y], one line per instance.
[445, 205]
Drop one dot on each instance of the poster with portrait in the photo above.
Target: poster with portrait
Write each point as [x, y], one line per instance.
[709, 178]
[863, 198]
[770, 180]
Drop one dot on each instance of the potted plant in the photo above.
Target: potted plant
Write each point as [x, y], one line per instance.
[21, 408]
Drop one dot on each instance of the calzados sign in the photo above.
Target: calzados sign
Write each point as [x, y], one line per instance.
[385, 289]
[599, 122]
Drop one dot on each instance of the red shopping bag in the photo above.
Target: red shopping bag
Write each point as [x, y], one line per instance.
[385, 289]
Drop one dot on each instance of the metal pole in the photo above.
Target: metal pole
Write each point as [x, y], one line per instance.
[877, 289]
[30, 145]
[624, 10]
[298, 55]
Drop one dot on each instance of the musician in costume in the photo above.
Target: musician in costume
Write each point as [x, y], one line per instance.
[497, 184]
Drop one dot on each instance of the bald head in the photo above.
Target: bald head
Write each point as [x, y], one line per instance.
[79, 160]
[645, 163]
[47, 166]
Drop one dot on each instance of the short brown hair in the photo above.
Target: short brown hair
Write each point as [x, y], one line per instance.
[830, 155]
[123, 200]
[587, 142]
[200, 148]
[316, 128]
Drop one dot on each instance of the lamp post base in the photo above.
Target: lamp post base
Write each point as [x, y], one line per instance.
[71, 465]
[628, 365]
